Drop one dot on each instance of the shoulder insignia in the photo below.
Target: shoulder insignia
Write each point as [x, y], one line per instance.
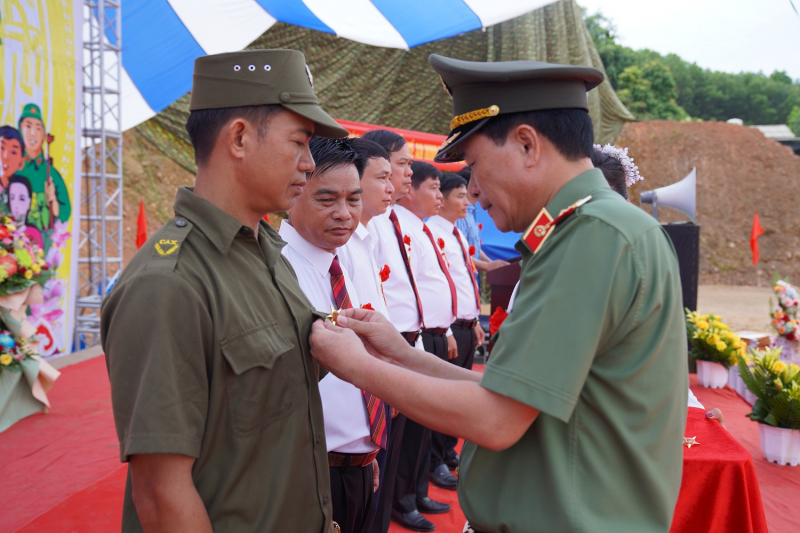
[544, 224]
[170, 238]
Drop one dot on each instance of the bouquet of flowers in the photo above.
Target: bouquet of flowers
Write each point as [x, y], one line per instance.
[13, 353]
[22, 263]
[712, 340]
[776, 386]
[785, 317]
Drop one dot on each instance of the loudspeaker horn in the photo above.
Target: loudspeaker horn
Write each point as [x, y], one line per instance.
[680, 196]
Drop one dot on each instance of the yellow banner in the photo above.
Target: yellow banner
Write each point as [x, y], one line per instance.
[40, 57]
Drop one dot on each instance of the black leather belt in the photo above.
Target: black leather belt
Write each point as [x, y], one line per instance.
[411, 336]
[340, 460]
[464, 323]
[435, 331]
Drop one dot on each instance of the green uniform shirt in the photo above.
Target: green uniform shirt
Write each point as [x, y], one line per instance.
[36, 171]
[206, 339]
[596, 341]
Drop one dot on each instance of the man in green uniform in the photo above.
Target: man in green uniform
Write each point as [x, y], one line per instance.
[206, 333]
[576, 424]
[50, 200]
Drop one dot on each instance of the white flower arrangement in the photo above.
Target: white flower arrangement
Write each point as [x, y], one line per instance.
[621, 154]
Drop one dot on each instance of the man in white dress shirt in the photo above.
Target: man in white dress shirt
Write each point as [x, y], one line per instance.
[405, 313]
[466, 328]
[321, 221]
[437, 292]
[358, 260]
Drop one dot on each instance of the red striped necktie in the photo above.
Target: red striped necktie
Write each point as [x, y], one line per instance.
[470, 267]
[376, 410]
[399, 234]
[445, 271]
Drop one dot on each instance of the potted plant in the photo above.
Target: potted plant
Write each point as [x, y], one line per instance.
[714, 346]
[786, 320]
[776, 385]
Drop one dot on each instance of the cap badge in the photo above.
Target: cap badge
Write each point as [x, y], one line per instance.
[472, 116]
[310, 77]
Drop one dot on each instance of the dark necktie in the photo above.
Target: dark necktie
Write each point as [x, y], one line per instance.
[445, 271]
[399, 234]
[470, 267]
[376, 411]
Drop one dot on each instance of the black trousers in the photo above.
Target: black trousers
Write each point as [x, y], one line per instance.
[351, 497]
[443, 447]
[415, 450]
[391, 456]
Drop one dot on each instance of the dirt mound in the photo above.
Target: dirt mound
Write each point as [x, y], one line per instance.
[151, 176]
[739, 172]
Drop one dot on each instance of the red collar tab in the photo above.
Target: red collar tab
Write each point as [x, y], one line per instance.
[543, 225]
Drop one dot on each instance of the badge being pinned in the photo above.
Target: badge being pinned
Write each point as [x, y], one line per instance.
[334, 315]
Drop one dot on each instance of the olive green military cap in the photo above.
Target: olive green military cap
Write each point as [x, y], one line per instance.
[30, 111]
[482, 90]
[260, 77]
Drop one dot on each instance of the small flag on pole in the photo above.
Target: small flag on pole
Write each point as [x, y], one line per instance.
[757, 231]
[141, 226]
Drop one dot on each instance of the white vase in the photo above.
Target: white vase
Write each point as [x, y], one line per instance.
[790, 352]
[780, 445]
[711, 375]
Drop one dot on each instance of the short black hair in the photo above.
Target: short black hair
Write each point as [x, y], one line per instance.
[10, 132]
[204, 125]
[369, 150]
[19, 178]
[612, 169]
[570, 130]
[333, 153]
[422, 171]
[450, 181]
[391, 141]
[465, 173]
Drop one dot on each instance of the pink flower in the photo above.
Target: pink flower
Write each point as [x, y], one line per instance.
[60, 234]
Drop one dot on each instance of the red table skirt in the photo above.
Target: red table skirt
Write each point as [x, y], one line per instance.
[719, 489]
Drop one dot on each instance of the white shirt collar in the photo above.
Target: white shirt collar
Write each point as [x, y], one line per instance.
[318, 258]
[442, 223]
[409, 216]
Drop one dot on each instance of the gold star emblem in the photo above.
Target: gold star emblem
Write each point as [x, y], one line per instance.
[334, 314]
[690, 441]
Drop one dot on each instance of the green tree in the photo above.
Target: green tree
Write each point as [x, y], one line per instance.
[794, 120]
[650, 92]
[710, 95]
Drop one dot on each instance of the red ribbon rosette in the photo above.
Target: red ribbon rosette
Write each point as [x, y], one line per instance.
[368, 306]
[384, 273]
[440, 242]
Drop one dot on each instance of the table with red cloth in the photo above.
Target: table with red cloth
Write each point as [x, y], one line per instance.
[719, 489]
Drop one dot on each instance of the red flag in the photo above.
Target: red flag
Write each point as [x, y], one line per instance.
[141, 226]
[757, 231]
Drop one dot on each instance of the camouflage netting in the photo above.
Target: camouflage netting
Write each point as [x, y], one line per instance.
[397, 88]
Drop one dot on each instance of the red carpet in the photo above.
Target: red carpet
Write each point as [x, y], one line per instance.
[62, 470]
[47, 458]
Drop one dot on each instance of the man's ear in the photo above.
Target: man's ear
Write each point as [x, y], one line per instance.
[235, 137]
[529, 142]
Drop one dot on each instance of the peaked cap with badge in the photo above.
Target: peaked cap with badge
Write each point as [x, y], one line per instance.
[483, 90]
[261, 77]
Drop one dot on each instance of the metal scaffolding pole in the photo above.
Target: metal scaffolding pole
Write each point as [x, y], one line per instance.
[100, 234]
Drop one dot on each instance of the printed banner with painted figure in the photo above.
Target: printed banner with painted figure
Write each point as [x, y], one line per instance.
[40, 56]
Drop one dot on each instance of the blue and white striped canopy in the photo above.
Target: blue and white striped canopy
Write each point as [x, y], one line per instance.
[162, 38]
